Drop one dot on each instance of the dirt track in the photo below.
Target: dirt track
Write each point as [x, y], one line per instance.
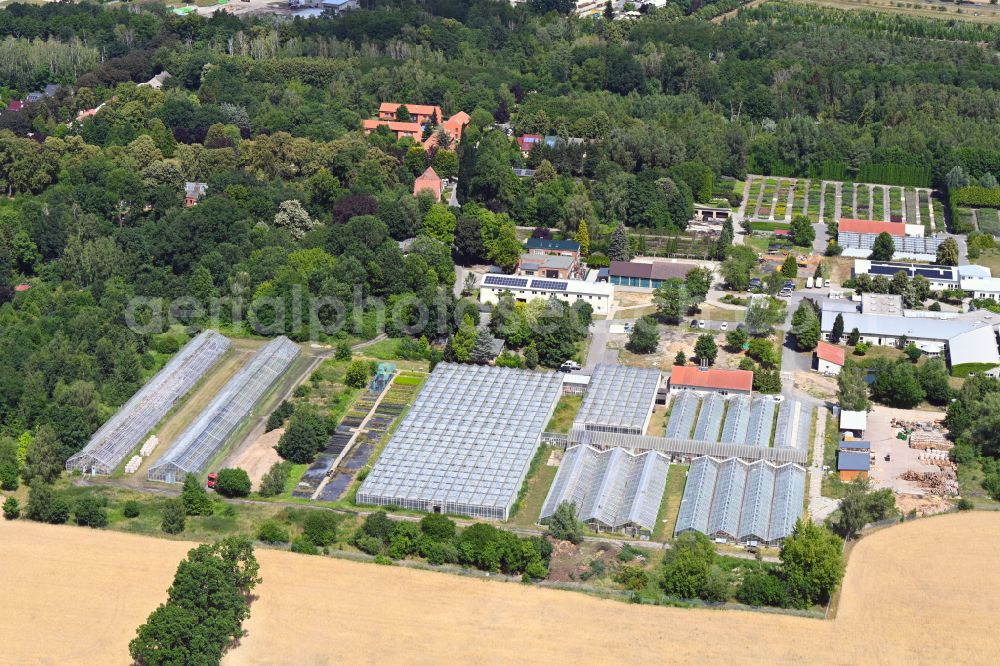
[923, 592]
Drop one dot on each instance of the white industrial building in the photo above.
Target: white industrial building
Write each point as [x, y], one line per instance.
[599, 295]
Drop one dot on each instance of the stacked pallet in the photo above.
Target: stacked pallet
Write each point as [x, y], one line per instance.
[148, 447]
[133, 464]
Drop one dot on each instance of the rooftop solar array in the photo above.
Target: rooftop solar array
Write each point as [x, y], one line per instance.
[555, 285]
[465, 445]
[505, 281]
[710, 418]
[794, 423]
[203, 438]
[930, 271]
[682, 415]
[742, 501]
[122, 432]
[619, 398]
[611, 489]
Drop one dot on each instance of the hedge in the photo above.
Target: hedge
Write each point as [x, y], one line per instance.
[768, 226]
[975, 195]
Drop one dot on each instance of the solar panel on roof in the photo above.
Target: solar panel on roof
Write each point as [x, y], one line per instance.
[505, 281]
[549, 284]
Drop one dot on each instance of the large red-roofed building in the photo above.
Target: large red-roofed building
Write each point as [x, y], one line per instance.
[710, 380]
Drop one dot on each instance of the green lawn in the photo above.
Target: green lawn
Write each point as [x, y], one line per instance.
[565, 412]
[970, 484]
[534, 490]
[671, 503]
[831, 485]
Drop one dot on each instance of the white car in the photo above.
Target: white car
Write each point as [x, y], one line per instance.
[701, 323]
[724, 326]
[827, 283]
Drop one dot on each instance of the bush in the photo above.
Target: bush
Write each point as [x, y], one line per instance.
[438, 527]
[279, 416]
[166, 344]
[761, 588]
[273, 483]
[45, 506]
[174, 517]
[90, 512]
[130, 509]
[272, 532]
[11, 508]
[357, 374]
[632, 578]
[233, 482]
[305, 437]
[369, 544]
[304, 546]
[437, 552]
[965, 504]
[320, 527]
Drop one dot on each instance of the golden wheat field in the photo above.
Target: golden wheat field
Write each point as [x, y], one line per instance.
[922, 592]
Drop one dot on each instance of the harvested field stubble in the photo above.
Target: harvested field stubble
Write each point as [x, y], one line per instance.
[921, 592]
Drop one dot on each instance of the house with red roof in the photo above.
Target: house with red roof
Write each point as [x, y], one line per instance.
[412, 130]
[15, 105]
[428, 180]
[419, 113]
[710, 380]
[830, 357]
[529, 141]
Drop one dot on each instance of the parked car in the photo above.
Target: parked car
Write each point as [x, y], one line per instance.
[809, 283]
[212, 478]
[694, 323]
[724, 326]
[701, 323]
[629, 326]
[569, 366]
[827, 283]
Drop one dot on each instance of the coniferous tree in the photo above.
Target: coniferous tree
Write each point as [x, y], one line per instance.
[618, 247]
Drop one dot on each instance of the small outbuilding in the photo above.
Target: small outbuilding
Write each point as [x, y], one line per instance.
[428, 180]
[853, 464]
[829, 357]
[854, 422]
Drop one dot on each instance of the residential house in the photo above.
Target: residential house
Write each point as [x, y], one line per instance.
[338, 6]
[829, 358]
[51, 89]
[15, 105]
[419, 113]
[401, 129]
[193, 192]
[646, 275]
[157, 81]
[428, 180]
[524, 289]
[34, 97]
[710, 380]
[455, 125]
[853, 464]
[528, 141]
[546, 265]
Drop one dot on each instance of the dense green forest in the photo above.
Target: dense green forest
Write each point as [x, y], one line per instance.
[301, 204]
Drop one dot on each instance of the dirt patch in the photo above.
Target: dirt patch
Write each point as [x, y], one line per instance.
[816, 385]
[914, 593]
[258, 457]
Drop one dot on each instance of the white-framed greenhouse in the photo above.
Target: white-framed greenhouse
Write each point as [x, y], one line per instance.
[619, 398]
[465, 445]
[612, 490]
[203, 438]
[742, 501]
[120, 434]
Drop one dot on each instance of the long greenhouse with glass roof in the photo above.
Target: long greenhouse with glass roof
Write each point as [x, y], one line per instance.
[466, 444]
[213, 427]
[742, 501]
[123, 432]
[612, 490]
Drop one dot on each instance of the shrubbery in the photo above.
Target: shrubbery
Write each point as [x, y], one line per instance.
[233, 482]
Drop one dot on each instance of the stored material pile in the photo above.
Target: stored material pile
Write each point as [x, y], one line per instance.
[944, 482]
[932, 439]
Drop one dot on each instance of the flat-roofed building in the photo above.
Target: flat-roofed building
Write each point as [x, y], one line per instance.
[523, 288]
[646, 275]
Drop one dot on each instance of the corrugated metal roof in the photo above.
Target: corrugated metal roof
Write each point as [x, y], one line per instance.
[911, 327]
[851, 461]
[977, 346]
